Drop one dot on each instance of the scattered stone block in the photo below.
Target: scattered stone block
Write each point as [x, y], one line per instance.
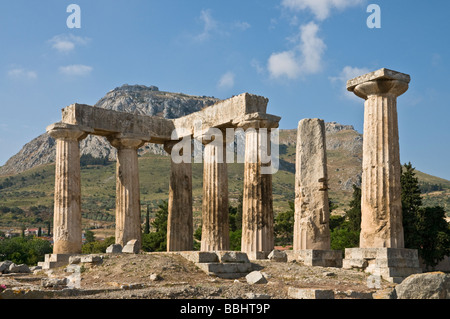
[278, 255]
[308, 293]
[19, 269]
[433, 285]
[91, 259]
[132, 247]
[114, 249]
[256, 277]
[53, 282]
[35, 269]
[155, 277]
[200, 256]
[232, 257]
[4, 266]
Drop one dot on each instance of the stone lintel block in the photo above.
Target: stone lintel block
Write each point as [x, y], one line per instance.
[379, 75]
[308, 293]
[224, 113]
[106, 122]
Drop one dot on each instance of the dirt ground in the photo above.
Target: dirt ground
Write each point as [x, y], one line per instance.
[170, 276]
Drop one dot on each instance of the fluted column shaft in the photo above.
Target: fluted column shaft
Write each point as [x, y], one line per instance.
[257, 211]
[180, 229]
[215, 226]
[128, 210]
[311, 228]
[381, 207]
[67, 232]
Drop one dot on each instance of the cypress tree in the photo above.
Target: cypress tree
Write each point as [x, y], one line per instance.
[411, 203]
[147, 221]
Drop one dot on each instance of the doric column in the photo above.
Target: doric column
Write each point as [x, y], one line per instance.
[311, 228]
[180, 220]
[215, 226]
[67, 207]
[257, 208]
[128, 210]
[381, 207]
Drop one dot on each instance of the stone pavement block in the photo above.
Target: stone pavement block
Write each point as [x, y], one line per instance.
[308, 293]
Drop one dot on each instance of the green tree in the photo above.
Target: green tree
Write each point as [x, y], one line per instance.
[425, 228]
[157, 241]
[284, 226]
[353, 215]
[24, 250]
[48, 228]
[345, 230]
[434, 235]
[97, 246]
[235, 224]
[90, 236]
[411, 203]
[147, 221]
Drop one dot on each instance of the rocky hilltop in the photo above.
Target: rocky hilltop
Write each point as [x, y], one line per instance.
[136, 99]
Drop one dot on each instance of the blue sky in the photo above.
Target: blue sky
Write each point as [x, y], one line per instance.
[297, 53]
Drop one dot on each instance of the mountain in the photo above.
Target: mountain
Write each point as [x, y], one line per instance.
[136, 99]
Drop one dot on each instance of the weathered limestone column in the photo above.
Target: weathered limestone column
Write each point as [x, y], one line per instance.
[257, 211]
[381, 207]
[215, 226]
[180, 229]
[312, 213]
[67, 207]
[128, 210]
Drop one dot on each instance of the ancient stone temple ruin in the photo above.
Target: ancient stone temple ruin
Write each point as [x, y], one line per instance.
[381, 250]
[128, 132]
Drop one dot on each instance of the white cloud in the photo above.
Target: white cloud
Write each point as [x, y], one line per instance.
[241, 25]
[226, 81]
[284, 64]
[20, 73]
[320, 8]
[76, 70]
[257, 66]
[209, 25]
[304, 58]
[348, 73]
[67, 43]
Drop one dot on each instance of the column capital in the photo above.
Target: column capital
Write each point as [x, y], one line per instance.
[124, 141]
[380, 82]
[67, 131]
[257, 120]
